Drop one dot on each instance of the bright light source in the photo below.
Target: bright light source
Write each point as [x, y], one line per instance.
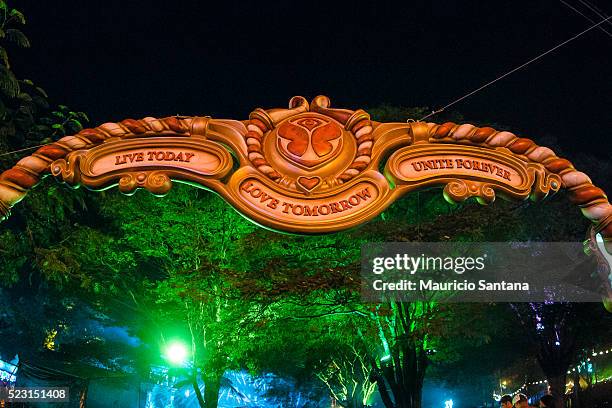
[448, 404]
[176, 353]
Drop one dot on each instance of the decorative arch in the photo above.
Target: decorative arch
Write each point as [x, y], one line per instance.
[308, 168]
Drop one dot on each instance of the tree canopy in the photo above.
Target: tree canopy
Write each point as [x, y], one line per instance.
[77, 263]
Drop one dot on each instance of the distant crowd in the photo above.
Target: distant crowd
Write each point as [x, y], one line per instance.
[521, 401]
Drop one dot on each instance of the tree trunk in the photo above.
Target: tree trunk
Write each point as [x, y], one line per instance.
[198, 393]
[410, 398]
[405, 381]
[212, 384]
[383, 390]
[352, 403]
[557, 389]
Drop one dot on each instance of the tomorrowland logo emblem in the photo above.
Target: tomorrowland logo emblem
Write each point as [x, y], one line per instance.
[309, 141]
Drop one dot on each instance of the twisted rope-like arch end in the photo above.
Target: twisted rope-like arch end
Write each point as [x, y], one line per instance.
[592, 200]
[28, 172]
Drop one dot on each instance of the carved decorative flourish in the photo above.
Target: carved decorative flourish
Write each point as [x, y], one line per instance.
[68, 170]
[129, 182]
[156, 182]
[460, 190]
[457, 191]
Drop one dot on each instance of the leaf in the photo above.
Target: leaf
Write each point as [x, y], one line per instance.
[24, 97]
[42, 128]
[59, 128]
[82, 116]
[18, 15]
[75, 125]
[19, 38]
[8, 82]
[40, 101]
[28, 82]
[41, 91]
[4, 57]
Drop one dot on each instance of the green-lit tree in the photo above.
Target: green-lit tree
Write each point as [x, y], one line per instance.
[188, 266]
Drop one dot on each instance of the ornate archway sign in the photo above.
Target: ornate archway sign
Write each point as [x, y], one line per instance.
[309, 168]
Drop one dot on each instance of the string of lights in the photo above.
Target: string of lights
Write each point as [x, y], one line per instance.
[586, 364]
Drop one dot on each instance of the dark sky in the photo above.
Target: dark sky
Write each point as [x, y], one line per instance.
[130, 58]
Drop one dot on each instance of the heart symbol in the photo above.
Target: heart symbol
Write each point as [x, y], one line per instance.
[309, 183]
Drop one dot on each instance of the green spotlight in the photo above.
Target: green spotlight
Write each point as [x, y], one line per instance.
[176, 353]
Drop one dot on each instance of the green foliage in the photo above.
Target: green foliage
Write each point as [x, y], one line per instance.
[26, 117]
[390, 113]
[188, 266]
[8, 82]
[17, 37]
[8, 34]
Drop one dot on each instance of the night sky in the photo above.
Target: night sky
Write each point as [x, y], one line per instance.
[120, 59]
